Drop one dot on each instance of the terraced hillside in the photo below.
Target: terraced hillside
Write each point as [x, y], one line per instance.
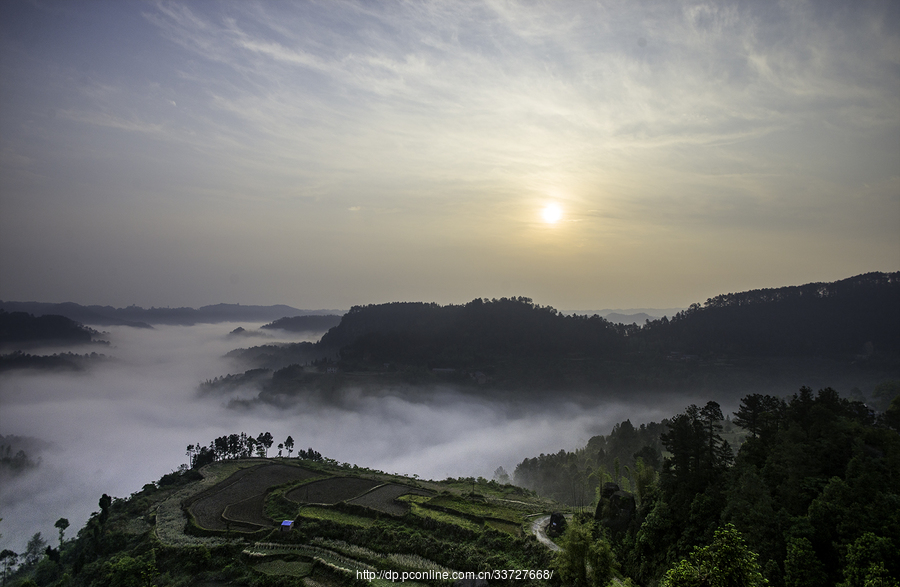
[346, 520]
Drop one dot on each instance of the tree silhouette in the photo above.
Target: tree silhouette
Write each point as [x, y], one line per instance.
[265, 439]
[289, 445]
[62, 524]
[8, 558]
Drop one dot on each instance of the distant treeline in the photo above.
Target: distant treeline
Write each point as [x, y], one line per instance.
[14, 453]
[56, 361]
[243, 446]
[276, 356]
[137, 316]
[305, 323]
[15, 463]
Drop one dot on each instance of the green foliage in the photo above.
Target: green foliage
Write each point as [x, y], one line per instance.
[727, 562]
[892, 414]
[585, 559]
[802, 568]
[867, 561]
[884, 394]
[127, 571]
[818, 475]
[575, 477]
[61, 524]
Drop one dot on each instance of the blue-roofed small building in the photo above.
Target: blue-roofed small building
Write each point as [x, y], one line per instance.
[287, 525]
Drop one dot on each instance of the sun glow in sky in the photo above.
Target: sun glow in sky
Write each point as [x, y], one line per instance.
[552, 213]
[338, 153]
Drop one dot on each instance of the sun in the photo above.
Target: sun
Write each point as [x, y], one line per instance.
[552, 213]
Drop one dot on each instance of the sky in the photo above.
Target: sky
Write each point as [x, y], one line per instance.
[328, 154]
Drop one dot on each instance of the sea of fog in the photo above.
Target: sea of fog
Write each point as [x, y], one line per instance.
[127, 421]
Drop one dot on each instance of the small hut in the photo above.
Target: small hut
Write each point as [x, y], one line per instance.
[287, 525]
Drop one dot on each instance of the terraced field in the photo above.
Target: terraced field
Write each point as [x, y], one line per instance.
[246, 485]
[248, 511]
[331, 491]
[384, 498]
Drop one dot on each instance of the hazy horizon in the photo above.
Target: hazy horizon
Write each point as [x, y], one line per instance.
[325, 155]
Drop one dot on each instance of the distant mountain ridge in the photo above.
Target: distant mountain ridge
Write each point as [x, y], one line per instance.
[139, 317]
[847, 331]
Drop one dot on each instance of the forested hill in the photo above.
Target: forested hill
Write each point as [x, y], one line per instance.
[19, 327]
[468, 335]
[859, 315]
[855, 316]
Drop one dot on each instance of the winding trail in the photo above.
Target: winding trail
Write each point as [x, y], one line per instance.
[537, 528]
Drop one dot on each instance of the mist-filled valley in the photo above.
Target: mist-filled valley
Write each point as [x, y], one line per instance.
[125, 422]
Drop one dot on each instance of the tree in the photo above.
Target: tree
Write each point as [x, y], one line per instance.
[34, 550]
[892, 414]
[802, 568]
[584, 561]
[104, 503]
[62, 524]
[265, 439]
[289, 445]
[501, 476]
[727, 562]
[699, 454]
[8, 558]
[280, 448]
[866, 559]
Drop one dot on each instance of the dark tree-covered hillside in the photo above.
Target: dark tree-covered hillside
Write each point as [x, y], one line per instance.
[855, 316]
[305, 323]
[845, 334]
[19, 327]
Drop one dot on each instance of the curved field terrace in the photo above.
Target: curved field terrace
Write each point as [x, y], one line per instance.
[331, 491]
[384, 498]
[248, 511]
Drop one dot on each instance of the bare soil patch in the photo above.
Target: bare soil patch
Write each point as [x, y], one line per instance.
[384, 498]
[331, 491]
[249, 511]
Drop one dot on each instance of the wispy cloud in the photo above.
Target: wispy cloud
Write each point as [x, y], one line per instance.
[661, 117]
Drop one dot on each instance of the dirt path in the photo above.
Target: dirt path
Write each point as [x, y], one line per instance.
[537, 528]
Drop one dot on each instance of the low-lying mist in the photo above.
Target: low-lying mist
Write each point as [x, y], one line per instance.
[127, 421]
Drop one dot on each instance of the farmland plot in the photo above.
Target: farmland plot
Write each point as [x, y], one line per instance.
[248, 511]
[208, 507]
[331, 491]
[384, 498]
